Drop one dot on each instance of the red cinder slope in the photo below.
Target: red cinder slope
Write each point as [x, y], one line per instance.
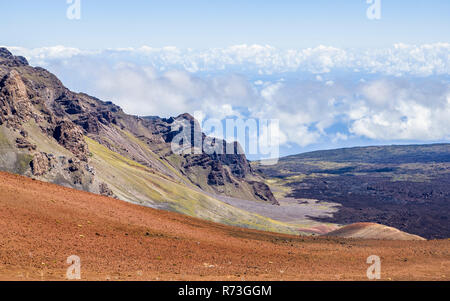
[42, 224]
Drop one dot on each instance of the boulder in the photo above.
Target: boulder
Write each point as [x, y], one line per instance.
[105, 190]
[263, 191]
[23, 143]
[40, 164]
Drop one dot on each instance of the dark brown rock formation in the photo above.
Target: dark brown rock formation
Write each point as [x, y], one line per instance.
[71, 137]
[106, 191]
[40, 164]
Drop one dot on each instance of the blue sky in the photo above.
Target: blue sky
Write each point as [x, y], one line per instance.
[206, 23]
[329, 75]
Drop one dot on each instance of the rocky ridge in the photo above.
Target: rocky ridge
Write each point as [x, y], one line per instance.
[32, 98]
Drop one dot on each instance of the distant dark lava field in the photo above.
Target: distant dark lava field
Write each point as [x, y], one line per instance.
[405, 187]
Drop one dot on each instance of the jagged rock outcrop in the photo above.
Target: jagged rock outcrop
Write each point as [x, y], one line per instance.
[15, 105]
[223, 168]
[106, 191]
[40, 164]
[9, 60]
[263, 191]
[71, 137]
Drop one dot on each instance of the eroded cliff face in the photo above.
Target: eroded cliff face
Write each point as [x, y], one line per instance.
[15, 104]
[49, 128]
[25, 96]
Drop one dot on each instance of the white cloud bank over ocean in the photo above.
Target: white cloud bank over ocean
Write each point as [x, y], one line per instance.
[400, 59]
[321, 96]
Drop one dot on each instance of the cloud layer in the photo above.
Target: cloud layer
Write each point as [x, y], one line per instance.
[401, 59]
[322, 95]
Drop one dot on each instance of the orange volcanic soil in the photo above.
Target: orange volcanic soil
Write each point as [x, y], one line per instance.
[42, 224]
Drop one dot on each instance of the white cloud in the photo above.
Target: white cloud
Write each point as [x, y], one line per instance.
[378, 92]
[400, 59]
[270, 91]
[340, 137]
[402, 111]
[168, 81]
[41, 56]
[384, 110]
